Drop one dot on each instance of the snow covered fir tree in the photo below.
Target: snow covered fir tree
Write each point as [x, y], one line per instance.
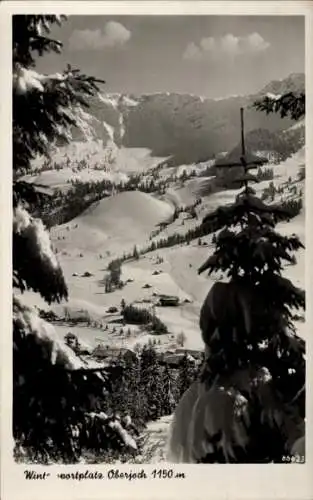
[249, 404]
[57, 403]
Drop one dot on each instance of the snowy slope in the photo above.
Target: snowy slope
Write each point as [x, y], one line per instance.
[116, 222]
[114, 225]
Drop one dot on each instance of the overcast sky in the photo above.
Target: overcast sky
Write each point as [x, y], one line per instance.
[212, 56]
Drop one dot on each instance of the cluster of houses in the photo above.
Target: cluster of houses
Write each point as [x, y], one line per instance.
[174, 357]
[107, 354]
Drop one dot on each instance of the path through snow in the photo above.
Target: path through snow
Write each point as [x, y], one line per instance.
[154, 441]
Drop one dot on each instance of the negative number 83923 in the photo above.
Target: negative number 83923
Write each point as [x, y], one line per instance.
[293, 459]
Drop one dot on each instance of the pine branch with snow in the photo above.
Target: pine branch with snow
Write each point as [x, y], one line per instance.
[56, 412]
[53, 393]
[290, 105]
[35, 266]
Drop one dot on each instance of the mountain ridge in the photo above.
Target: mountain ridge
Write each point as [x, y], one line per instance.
[187, 127]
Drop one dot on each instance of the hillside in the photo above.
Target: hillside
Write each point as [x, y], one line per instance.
[112, 226]
[276, 146]
[126, 162]
[191, 128]
[120, 220]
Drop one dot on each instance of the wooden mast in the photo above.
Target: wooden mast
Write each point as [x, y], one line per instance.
[243, 150]
[245, 160]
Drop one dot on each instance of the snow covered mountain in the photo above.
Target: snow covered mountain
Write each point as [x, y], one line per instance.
[191, 128]
[293, 83]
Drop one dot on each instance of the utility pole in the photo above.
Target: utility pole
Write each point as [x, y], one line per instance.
[243, 150]
[247, 161]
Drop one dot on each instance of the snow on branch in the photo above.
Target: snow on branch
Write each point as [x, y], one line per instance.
[289, 105]
[27, 322]
[35, 265]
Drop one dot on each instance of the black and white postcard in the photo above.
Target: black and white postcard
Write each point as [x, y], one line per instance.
[155, 278]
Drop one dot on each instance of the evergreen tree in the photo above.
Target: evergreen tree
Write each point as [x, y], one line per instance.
[116, 401]
[108, 284]
[181, 339]
[184, 176]
[151, 383]
[255, 368]
[115, 272]
[169, 396]
[186, 375]
[132, 389]
[54, 398]
[135, 253]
